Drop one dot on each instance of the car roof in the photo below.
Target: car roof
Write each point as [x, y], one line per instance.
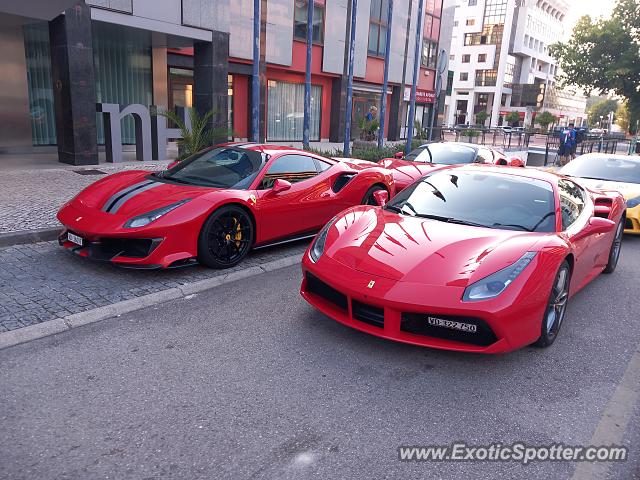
[532, 173]
[267, 148]
[633, 158]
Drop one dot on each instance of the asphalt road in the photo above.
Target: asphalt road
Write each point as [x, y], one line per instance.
[248, 382]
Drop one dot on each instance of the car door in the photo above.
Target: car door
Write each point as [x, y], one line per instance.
[298, 210]
[574, 219]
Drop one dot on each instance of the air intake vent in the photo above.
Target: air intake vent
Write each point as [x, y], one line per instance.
[342, 181]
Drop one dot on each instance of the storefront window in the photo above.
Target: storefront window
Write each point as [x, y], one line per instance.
[122, 60]
[285, 111]
[41, 106]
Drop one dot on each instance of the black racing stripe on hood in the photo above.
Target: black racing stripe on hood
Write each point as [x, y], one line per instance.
[122, 200]
[121, 193]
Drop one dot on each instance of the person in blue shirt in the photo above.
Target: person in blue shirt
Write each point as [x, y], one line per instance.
[568, 142]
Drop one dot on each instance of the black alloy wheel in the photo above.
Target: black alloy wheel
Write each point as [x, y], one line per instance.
[368, 198]
[226, 237]
[616, 247]
[556, 306]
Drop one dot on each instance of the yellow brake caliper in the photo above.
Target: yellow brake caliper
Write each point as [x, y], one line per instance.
[238, 235]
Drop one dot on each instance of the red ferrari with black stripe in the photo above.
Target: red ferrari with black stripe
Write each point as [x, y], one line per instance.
[424, 159]
[215, 206]
[435, 268]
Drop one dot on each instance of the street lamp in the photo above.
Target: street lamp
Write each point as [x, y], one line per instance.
[600, 124]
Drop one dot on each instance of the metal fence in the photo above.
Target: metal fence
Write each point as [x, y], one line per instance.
[610, 145]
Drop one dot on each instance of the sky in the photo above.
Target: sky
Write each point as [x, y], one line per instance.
[595, 8]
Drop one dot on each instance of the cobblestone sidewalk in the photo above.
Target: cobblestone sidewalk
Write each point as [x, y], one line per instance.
[30, 199]
[42, 281]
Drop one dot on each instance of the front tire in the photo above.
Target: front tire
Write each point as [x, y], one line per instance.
[556, 307]
[226, 237]
[616, 247]
[368, 198]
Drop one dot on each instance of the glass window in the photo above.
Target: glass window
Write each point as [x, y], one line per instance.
[471, 22]
[482, 58]
[225, 167]
[292, 168]
[300, 22]
[41, 107]
[285, 111]
[122, 59]
[572, 201]
[604, 168]
[508, 202]
[443, 154]
[322, 166]
[466, 58]
[378, 27]
[429, 53]
[473, 3]
[464, 76]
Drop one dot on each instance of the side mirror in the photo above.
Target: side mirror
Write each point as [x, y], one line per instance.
[381, 197]
[598, 225]
[516, 162]
[399, 155]
[280, 185]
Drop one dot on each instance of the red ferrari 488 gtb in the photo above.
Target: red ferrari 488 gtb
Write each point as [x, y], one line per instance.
[470, 258]
[215, 206]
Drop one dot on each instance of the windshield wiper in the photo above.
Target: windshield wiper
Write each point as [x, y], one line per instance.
[457, 221]
[393, 208]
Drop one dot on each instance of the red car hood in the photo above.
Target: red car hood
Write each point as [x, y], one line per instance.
[411, 249]
[133, 193]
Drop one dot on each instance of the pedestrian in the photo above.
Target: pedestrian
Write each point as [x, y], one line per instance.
[566, 151]
[372, 114]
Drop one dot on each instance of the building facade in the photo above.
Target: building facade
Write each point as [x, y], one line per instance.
[500, 61]
[199, 53]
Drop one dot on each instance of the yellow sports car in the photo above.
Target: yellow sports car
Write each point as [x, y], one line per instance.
[602, 171]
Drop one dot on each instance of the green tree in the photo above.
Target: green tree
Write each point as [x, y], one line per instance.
[481, 117]
[512, 118]
[622, 117]
[601, 109]
[201, 134]
[546, 118]
[602, 55]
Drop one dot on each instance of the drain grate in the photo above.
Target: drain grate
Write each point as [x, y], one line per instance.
[90, 171]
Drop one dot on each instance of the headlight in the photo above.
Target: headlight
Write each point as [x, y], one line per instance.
[495, 284]
[317, 247]
[153, 215]
[633, 203]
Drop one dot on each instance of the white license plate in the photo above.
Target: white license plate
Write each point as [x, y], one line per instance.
[463, 327]
[75, 239]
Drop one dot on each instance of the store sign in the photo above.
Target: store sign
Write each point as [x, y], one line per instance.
[422, 96]
[152, 133]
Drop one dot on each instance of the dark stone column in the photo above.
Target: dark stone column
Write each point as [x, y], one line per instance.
[74, 90]
[395, 121]
[338, 109]
[210, 88]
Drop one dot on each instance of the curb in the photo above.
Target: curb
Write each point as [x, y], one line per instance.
[70, 322]
[29, 236]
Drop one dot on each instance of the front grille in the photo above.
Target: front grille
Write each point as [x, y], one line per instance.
[108, 248]
[330, 294]
[418, 324]
[368, 313]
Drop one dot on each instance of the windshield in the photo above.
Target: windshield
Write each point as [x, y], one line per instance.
[443, 154]
[223, 167]
[604, 168]
[491, 200]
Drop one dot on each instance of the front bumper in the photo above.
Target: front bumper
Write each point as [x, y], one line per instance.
[632, 225]
[158, 245]
[402, 311]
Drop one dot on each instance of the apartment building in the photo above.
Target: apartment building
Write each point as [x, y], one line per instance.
[500, 61]
[62, 57]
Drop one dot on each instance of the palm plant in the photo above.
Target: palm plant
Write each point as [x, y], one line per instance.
[196, 133]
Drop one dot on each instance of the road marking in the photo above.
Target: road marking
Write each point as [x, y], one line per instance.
[614, 421]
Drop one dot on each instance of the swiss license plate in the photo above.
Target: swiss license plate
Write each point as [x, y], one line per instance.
[75, 239]
[450, 324]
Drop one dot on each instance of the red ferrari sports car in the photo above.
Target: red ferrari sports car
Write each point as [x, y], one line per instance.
[215, 206]
[421, 161]
[433, 268]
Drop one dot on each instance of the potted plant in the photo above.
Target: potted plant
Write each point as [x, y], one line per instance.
[481, 117]
[512, 118]
[545, 119]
